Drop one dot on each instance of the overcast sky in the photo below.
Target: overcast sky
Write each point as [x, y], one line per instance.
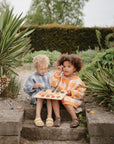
[96, 12]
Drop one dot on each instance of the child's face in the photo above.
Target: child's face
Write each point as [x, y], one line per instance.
[41, 69]
[68, 69]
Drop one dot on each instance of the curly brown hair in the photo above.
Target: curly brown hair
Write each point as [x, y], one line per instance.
[75, 60]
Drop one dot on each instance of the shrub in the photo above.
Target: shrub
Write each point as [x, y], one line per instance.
[88, 55]
[66, 38]
[12, 89]
[105, 59]
[99, 78]
[101, 85]
[53, 56]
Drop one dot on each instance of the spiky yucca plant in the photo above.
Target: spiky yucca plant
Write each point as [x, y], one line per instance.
[13, 43]
[101, 85]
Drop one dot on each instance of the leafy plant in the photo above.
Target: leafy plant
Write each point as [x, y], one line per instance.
[53, 56]
[87, 56]
[106, 59]
[101, 85]
[13, 43]
[99, 78]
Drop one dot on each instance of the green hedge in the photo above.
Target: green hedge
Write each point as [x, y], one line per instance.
[66, 38]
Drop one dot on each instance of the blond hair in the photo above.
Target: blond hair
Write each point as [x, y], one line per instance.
[41, 60]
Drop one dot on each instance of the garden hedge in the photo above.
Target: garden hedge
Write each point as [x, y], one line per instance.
[65, 38]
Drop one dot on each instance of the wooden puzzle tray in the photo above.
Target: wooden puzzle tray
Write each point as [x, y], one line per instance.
[51, 94]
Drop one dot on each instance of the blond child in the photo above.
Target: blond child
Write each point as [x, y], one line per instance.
[36, 82]
[66, 79]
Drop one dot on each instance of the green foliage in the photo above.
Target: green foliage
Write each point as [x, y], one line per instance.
[106, 39]
[65, 38]
[12, 90]
[54, 11]
[82, 119]
[106, 59]
[88, 55]
[99, 78]
[13, 43]
[101, 85]
[99, 36]
[53, 56]
[4, 5]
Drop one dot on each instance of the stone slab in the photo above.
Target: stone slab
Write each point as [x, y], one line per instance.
[9, 140]
[24, 141]
[101, 140]
[100, 123]
[31, 132]
[10, 122]
[31, 111]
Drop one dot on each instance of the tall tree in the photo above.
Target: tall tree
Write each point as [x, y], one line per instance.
[56, 11]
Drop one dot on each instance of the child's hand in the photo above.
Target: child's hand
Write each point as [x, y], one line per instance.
[36, 85]
[59, 69]
[68, 93]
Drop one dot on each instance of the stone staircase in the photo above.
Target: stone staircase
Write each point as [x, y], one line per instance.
[55, 135]
[10, 125]
[17, 127]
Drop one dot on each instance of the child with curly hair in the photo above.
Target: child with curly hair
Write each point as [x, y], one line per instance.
[66, 79]
[36, 82]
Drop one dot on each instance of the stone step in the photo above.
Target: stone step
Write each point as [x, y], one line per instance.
[62, 133]
[10, 122]
[30, 112]
[100, 125]
[10, 126]
[24, 141]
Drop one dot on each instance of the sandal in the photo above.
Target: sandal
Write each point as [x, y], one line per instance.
[74, 123]
[49, 122]
[38, 122]
[57, 122]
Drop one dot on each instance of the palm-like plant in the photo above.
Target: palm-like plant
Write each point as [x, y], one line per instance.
[101, 85]
[13, 43]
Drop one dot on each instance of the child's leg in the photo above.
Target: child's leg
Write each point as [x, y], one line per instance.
[72, 112]
[38, 121]
[39, 107]
[49, 109]
[56, 108]
[49, 120]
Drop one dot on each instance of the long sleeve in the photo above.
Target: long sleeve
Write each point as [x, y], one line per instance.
[37, 78]
[29, 85]
[28, 88]
[54, 80]
[79, 90]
